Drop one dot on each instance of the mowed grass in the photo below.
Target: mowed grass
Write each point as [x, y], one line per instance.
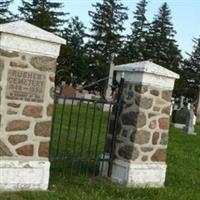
[182, 180]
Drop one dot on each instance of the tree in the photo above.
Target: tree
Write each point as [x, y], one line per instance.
[163, 48]
[5, 14]
[44, 14]
[73, 58]
[192, 70]
[136, 47]
[106, 39]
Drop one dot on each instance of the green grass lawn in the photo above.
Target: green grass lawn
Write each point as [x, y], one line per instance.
[182, 181]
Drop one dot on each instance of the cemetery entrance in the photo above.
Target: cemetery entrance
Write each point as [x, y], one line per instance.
[83, 137]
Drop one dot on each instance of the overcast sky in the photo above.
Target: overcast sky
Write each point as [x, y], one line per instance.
[185, 16]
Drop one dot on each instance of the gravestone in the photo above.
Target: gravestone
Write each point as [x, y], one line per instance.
[189, 125]
[174, 110]
[180, 117]
[27, 65]
[194, 120]
[181, 105]
[172, 106]
[66, 93]
[67, 90]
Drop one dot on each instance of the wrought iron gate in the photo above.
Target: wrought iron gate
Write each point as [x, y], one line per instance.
[80, 132]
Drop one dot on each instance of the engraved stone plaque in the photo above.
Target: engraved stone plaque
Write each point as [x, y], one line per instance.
[25, 85]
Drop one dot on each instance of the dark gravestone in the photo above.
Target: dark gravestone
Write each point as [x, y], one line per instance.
[180, 116]
[174, 115]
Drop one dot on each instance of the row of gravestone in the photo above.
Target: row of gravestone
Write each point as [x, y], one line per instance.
[183, 115]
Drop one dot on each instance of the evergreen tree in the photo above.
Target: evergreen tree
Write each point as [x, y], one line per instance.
[44, 14]
[162, 46]
[73, 58]
[106, 39]
[136, 47]
[5, 14]
[192, 70]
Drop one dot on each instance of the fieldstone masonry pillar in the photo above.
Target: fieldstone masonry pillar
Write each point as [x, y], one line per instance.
[27, 65]
[144, 122]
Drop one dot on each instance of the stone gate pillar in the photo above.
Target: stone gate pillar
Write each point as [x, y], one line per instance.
[144, 122]
[27, 65]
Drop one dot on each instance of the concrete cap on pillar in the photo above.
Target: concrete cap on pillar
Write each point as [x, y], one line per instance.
[147, 72]
[24, 29]
[33, 37]
[147, 67]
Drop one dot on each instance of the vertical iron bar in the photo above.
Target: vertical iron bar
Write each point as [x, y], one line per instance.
[114, 135]
[83, 138]
[75, 139]
[60, 133]
[67, 135]
[90, 140]
[98, 135]
[106, 138]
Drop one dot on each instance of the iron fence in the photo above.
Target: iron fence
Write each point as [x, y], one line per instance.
[79, 137]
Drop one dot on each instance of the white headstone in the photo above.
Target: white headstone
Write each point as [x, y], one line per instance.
[182, 101]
